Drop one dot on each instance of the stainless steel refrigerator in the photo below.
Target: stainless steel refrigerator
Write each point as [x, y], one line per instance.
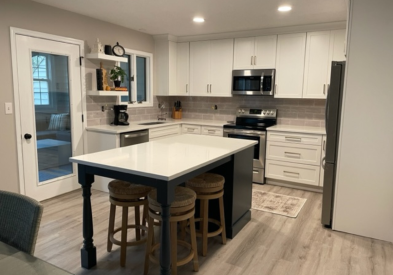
[332, 122]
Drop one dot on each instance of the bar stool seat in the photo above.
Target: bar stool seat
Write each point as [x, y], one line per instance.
[209, 186]
[182, 209]
[125, 195]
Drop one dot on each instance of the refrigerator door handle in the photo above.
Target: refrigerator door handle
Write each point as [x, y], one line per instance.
[323, 163]
[327, 109]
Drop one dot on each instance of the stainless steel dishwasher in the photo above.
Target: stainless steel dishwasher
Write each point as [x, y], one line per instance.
[134, 137]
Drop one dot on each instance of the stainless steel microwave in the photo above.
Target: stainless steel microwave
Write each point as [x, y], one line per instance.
[253, 82]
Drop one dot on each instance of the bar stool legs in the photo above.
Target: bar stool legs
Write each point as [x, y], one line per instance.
[209, 186]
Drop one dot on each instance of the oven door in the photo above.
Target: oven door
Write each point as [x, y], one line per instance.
[259, 148]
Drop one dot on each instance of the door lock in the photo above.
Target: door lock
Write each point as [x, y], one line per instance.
[27, 136]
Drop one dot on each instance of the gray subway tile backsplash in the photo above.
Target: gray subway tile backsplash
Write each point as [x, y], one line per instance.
[306, 112]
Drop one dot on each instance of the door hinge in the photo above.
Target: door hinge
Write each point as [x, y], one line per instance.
[82, 119]
[80, 60]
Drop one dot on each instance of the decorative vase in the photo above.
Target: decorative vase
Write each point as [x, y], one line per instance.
[117, 83]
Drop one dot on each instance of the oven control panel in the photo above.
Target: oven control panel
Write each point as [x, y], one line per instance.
[250, 112]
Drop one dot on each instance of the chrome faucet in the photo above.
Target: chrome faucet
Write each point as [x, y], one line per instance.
[161, 115]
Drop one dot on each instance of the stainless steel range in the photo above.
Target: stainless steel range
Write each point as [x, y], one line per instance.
[251, 124]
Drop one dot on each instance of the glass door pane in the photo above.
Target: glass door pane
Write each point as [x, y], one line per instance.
[140, 78]
[52, 115]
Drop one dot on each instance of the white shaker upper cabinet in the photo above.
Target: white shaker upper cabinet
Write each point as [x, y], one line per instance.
[221, 61]
[317, 65]
[183, 69]
[290, 65]
[255, 52]
[211, 67]
[199, 68]
[322, 48]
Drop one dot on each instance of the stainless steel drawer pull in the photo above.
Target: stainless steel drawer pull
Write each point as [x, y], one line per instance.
[251, 59]
[291, 174]
[190, 129]
[186, 88]
[292, 155]
[211, 131]
[293, 139]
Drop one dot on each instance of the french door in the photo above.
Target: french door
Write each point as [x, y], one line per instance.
[50, 101]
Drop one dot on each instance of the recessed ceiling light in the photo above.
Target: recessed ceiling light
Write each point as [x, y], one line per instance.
[284, 8]
[198, 19]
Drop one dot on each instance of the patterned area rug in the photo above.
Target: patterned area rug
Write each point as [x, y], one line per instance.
[276, 203]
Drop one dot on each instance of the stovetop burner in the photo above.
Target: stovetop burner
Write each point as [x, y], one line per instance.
[254, 119]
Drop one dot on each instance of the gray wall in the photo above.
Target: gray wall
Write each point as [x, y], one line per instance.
[37, 17]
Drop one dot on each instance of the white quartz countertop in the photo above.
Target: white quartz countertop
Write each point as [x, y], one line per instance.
[298, 129]
[134, 126]
[167, 158]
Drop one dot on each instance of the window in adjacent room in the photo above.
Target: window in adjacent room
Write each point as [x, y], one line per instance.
[139, 78]
[40, 66]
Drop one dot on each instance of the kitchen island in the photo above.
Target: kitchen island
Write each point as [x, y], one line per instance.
[164, 164]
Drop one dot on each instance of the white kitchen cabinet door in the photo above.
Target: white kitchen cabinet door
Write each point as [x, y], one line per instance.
[265, 52]
[243, 53]
[290, 65]
[199, 68]
[220, 71]
[317, 65]
[183, 69]
[337, 39]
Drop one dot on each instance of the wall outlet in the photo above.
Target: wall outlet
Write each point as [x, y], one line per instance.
[8, 108]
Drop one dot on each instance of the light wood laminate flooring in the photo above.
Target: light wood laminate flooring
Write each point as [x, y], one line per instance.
[268, 245]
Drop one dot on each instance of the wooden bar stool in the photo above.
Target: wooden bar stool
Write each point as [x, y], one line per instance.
[126, 194]
[209, 186]
[182, 209]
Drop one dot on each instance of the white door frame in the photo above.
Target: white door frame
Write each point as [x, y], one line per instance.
[81, 44]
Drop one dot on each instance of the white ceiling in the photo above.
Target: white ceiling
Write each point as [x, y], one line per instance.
[175, 16]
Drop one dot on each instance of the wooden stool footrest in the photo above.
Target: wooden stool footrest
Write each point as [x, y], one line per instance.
[132, 243]
[180, 262]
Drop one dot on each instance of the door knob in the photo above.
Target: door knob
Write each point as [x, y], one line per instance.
[27, 136]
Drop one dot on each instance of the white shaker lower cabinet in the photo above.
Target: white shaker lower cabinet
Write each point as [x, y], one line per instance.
[212, 131]
[293, 157]
[202, 130]
[191, 129]
[163, 132]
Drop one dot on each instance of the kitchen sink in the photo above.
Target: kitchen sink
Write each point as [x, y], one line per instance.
[152, 123]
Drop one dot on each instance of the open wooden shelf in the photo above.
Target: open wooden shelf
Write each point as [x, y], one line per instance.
[105, 57]
[107, 93]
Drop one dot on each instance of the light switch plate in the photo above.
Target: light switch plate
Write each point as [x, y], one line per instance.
[8, 108]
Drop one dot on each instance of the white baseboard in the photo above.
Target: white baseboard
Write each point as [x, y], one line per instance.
[294, 185]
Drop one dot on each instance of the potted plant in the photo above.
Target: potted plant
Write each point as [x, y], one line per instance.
[117, 75]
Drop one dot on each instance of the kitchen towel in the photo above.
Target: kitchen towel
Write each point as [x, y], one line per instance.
[276, 203]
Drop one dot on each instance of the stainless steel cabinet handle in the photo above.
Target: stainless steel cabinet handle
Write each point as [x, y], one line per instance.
[190, 129]
[211, 131]
[291, 174]
[186, 88]
[207, 88]
[298, 139]
[210, 88]
[135, 135]
[251, 59]
[324, 86]
[255, 60]
[292, 155]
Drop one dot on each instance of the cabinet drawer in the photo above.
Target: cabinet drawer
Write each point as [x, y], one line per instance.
[191, 129]
[164, 131]
[294, 138]
[300, 173]
[298, 153]
[212, 131]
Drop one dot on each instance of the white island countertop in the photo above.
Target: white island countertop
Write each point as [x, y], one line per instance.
[168, 158]
[297, 129]
[134, 125]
